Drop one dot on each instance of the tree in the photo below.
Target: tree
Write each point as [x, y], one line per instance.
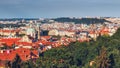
[8, 64]
[102, 61]
[17, 62]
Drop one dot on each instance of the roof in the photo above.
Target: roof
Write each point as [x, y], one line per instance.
[22, 52]
[45, 37]
[9, 41]
[24, 43]
[8, 31]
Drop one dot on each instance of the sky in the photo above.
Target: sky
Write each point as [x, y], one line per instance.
[58, 8]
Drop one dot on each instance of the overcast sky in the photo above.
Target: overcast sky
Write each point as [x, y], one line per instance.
[58, 8]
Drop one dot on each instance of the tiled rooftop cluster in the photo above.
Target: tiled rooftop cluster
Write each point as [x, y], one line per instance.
[30, 38]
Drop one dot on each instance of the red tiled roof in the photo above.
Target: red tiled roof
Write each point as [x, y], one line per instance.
[9, 41]
[22, 52]
[44, 42]
[46, 37]
[24, 43]
[7, 56]
[8, 31]
[91, 32]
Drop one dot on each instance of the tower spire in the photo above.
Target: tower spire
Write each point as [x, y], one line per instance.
[38, 30]
[10, 35]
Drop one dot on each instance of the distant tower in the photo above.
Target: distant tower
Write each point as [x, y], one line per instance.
[23, 21]
[38, 30]
[10, 35]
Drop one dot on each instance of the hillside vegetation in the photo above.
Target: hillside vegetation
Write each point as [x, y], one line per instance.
[103, 53]
[82, 20]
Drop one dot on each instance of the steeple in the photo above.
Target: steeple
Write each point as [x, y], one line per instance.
[38, 30]
[10, 35]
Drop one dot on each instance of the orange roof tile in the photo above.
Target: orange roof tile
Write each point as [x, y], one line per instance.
[9, 41]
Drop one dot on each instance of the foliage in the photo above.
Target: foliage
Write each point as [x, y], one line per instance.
[82, 20]
[105, 52]
[17, 62]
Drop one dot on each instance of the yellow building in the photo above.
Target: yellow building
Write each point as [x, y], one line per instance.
[53, 32]
[8, 32]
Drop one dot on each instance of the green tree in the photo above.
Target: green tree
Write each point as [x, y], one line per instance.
[102, 61]
[17, 62]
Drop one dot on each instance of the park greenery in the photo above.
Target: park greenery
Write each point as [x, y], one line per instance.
[102, 53]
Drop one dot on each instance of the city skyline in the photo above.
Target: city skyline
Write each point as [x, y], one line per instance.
[58, 8]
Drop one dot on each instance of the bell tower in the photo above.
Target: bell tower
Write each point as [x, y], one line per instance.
[38, 30]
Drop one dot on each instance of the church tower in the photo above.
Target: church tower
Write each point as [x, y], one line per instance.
[10, 28]
[38, 30]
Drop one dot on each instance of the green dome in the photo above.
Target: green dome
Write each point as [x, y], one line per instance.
[30, 31]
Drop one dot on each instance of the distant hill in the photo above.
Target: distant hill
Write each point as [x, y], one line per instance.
[18, 19]
[82, 20]
[12, 25]
[62, 19]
